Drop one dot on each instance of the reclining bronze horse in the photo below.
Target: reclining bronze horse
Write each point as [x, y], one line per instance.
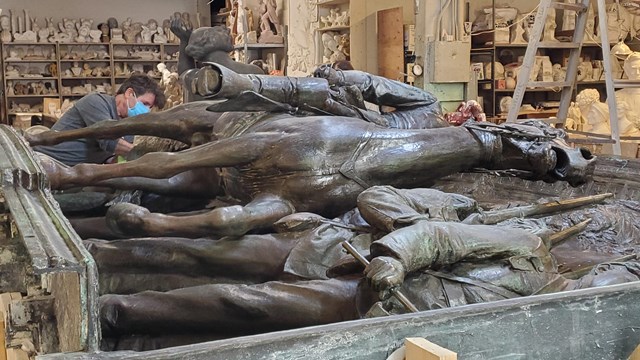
[280, 163]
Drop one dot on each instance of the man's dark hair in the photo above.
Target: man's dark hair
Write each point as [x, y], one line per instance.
[142, 84]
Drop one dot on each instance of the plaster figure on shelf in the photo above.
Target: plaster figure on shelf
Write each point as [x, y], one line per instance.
[160, 37]
[10, 90]
[104, 32]
[69, 28]
[326, 20]
[627, 99]
[569, 17]
[86, 70]
[590, 27]
[517, 33]
[575, 120]
[83, 34]
[95, 35]
[342, 19]
[148, 31]
[619, 22]
[241, 23]
[43, 34]
[164, 72]
[76, 70]
[171, 37]
[12, 71]
[270, 32]
[550, 26]
[5, 29]
[330, 44]
[595, 113]
[558, 73]
[112, 22]
[186, 20]
[53, 32]
[344, 45]
[13, 56]
[117, 35]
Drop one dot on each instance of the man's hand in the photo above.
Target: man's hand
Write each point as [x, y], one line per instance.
[179, 28]
[327, 72]
[385, 272]
[123, 147]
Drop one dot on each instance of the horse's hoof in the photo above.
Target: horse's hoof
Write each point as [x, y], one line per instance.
[207, 82]
[127, 219]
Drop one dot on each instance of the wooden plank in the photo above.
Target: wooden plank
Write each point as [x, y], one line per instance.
[422, 349]
[17, 354]
[391, 44]
[635, 355]
[65, 288]
[3, 343]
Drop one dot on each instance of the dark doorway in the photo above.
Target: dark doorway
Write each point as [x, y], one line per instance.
[217, 7]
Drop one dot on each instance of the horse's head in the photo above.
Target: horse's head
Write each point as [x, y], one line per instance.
[536, 151]
[206, 40]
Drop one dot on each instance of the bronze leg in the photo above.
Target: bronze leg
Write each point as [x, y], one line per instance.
[179, 123]
[158, 165]
[134, 265]
[231, 309]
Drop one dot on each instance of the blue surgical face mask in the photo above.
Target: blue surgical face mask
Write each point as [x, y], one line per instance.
[137, 109]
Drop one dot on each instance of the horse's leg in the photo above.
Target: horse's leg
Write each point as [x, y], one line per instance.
[223, 153]
[199, 183]
[179, 123]
[263, 211]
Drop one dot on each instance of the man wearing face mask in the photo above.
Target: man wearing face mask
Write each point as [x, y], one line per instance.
[134, 97]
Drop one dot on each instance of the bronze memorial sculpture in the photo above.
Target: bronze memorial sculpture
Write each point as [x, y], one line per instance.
[283, 146]
[335, 158]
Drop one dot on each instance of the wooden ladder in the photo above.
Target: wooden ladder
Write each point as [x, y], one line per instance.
[581, 8]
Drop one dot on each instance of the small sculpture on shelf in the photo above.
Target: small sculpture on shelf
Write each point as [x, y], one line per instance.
[329, 19]
[44, 33]
[517, 34]
[619, 22]
[104, 32]
[559, 73]
[569, 17]
[10, 89]
[86, 70]
[595, 113]
[52, 70]
[244, 25]
[13, 56]
[171, 37]
[76, 70]
[12, 71]
[117, 35]
[270, 32]
[628, 98]
[590, 27]
[160, 37]
[53, 32]
[550, 26]
[148, 31]
[5, 29]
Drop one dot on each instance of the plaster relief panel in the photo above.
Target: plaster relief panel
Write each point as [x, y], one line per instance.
[302, 24]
